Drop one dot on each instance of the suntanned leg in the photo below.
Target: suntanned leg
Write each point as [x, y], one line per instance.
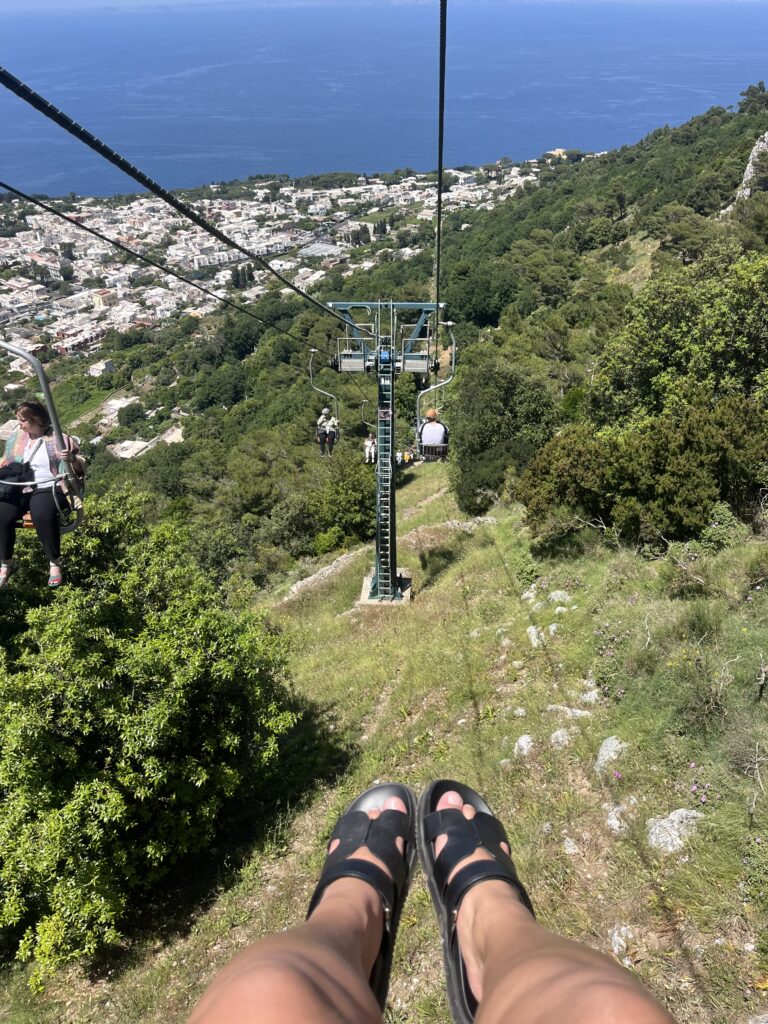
[520, 971]
[317, 972]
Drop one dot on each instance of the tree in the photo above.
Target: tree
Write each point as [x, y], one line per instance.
[704, 326]
[119, 766]
[755, 99]
[499, 416]
[655, 479]
[131, 415]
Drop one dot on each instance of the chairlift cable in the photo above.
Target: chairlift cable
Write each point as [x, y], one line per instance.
[440, 147]
[154, 263]
[165, 269]
[48, 110]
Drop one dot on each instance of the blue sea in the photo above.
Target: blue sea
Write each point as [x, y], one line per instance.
[202, 94]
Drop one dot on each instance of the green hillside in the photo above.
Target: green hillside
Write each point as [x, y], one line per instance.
[184, 720]
[455, 679]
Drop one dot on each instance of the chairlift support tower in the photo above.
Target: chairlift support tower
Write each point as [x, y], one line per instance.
[379, 340]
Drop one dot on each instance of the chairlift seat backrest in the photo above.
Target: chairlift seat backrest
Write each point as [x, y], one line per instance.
[351, 361]
[416, 362]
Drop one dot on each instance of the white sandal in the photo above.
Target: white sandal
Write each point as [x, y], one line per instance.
[7, 569]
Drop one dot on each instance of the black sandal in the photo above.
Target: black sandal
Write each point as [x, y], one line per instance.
[465, 835]
[355, 829]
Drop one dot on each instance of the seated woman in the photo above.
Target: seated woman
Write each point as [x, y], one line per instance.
[33, 443]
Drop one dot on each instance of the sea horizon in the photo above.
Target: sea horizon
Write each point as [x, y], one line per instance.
[195, 94]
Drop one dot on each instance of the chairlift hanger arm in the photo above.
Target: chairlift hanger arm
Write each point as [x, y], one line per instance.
[440, 383]
[371, 426]
[74, 484]
[320, 390]
[37, 366]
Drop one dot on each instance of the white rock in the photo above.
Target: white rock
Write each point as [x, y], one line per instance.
[614, 821]
[553, 628]
[609, 751]
[620, 937]
[524, 745]
[506, 642]
[538, 606]
[562, 709]
[761, 1018]
[560, 738]
[590, 697]
[518, 664]
[534, 637]
[546, 828]
[529, 594]
[719, 941]
[570, 847]
[559, 597]
[669, 834]
[506, 763]
[749, 947]
[520, 712]
[560, 610]
[473, 634]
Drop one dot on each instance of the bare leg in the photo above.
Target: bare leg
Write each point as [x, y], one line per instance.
[520, 971]
[315, 973]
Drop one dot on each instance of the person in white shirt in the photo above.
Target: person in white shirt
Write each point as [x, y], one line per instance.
[33, 444]
[332, 433]
[327, 431]
[321, 431]
[432, 431]
[370, 449]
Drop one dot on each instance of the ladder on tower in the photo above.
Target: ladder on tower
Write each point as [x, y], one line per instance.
[381, 345]
[384, 585]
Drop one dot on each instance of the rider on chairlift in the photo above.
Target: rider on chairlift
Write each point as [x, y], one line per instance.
[33, 449]
[370, 449]
[327, 431]
[432, 431]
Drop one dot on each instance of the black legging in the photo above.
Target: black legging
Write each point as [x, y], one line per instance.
[45, 516]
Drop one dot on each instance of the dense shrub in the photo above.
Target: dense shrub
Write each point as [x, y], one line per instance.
[499, 416]
[707, 326]
[654, 481]
[136, 710]
[723, 529]
[344, 499]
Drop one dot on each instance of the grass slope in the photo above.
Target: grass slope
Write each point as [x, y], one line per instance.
[446, 687]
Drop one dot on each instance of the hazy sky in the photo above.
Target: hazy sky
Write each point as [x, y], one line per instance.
[60, 5]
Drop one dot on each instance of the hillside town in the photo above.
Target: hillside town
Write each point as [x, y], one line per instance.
[63, 289]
